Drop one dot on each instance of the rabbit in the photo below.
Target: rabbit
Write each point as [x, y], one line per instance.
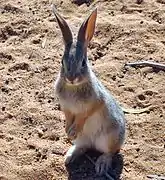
[94, 118]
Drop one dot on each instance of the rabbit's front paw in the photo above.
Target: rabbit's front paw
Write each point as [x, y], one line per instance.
[71, 131]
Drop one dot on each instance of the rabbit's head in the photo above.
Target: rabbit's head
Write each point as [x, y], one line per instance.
[75, 68]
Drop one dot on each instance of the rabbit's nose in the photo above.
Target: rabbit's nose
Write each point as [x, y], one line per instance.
[70, 79]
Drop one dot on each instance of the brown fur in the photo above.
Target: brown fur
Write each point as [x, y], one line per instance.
[79, 119]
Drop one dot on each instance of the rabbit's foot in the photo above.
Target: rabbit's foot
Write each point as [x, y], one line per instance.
[73, 153]
[72, 131]
[103, 163]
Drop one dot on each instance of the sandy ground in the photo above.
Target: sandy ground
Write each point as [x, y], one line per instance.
[32, 137]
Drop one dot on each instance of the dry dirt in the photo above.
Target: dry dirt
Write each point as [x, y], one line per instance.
[32, 137]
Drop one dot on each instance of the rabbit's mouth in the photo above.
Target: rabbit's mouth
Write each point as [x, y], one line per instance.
[75, 82]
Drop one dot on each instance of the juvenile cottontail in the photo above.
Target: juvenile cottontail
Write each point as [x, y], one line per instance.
[93, 117]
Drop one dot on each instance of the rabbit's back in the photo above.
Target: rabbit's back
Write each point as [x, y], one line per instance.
[106, 125]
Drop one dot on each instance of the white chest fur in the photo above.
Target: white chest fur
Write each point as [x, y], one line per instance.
[94, 130]
[74, 107]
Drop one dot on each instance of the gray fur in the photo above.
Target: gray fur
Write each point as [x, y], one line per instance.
[104, 127]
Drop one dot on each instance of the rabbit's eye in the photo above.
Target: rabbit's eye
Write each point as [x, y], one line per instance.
[63, 65]
[83, 62]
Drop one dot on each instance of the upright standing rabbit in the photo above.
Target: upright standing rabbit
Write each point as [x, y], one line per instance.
[93, 117]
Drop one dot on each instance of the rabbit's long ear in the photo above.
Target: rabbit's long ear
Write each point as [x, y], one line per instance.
[66, 32]
[87, 29]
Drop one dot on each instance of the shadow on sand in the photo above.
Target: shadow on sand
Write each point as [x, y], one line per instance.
[83, 169]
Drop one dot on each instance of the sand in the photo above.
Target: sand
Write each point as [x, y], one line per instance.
[32, 137]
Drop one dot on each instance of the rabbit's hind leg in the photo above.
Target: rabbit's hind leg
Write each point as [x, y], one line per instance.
[109, 147]
[80, 147]
[103, 163]
[73, 153]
